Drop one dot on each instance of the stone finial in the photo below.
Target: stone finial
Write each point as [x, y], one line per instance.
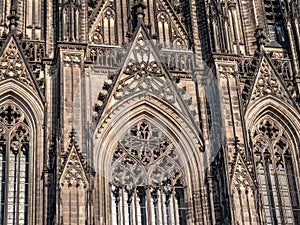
[140, 6]
[13, 18]
[261, 39]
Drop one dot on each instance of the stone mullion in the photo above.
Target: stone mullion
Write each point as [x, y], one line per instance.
[270, 192]
[7, 178]
[175, 208]
[248, 206]
[162, 206]
[148, 205]
[18, 161]
[241, 205]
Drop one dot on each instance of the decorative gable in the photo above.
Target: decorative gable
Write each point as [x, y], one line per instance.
[74, 173]
[142, 73]
[267, 82]
[241, 175]
[167, 15]
[13, 65]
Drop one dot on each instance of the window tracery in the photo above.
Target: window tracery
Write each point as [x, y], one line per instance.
[14, 155]
[275, 172]
[146, 186]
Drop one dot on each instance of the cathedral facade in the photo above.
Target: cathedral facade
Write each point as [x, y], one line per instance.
[149, 112]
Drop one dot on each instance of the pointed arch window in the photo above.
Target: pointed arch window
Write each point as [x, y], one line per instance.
[14, 158]
[146, 185]
[276, 174]
[274, 11]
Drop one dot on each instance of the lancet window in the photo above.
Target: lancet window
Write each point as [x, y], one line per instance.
[146, 186]
[273, 153]
[274, 11]
[14, 165]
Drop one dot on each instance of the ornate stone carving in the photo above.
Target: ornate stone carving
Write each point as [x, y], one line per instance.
[12, 118]
[12, 65]
[10, 114]
[72, 60]
[241, 175]
[268, 136]
[74, 171]
[143, 73]
[167, 14]
[267, 83]
[145, 156]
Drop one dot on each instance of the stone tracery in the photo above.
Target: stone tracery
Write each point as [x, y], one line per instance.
[143, 73]
[147, 175]
[275, 171]
[14, 157]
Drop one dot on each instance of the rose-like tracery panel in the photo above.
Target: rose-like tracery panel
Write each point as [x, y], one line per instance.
[146, 178]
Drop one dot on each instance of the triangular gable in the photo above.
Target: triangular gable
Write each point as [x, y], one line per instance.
[178, 29]
[73, 172]
[13, 65]
[267, 82]
[97, 14]
[241, 175]
[142, 72]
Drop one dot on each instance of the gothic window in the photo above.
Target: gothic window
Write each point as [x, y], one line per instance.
[275, 172]
[14, 158]
[274, 15]
[70, 21]
[146, 185]
[164, 29]
[109, 26]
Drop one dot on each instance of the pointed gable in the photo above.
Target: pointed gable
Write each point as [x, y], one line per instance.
[268, 83]
[178, 31]
[241, 175]
[13, 65]
[73, 172]
[142, 73]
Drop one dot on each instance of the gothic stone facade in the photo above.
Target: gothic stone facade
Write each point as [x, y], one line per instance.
[149, 112]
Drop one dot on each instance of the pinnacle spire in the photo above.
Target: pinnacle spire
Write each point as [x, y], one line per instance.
[140, 6]
[13, 18]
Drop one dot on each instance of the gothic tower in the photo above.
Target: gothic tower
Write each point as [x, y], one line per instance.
[149, 112]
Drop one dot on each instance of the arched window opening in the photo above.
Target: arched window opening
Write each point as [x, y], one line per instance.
[275, 172]
[14, 155]
[274, 11]
[146, 185]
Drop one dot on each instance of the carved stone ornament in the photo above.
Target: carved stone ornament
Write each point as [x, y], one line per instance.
[145, 156]
[267, 83]
[13, 126]
[270, 140]
[73, 174]
[143, 73]
[241, 175]
[12, 65]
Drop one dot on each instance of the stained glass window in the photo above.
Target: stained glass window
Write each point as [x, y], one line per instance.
[275, 173]
[274, 11]
[14, 150]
